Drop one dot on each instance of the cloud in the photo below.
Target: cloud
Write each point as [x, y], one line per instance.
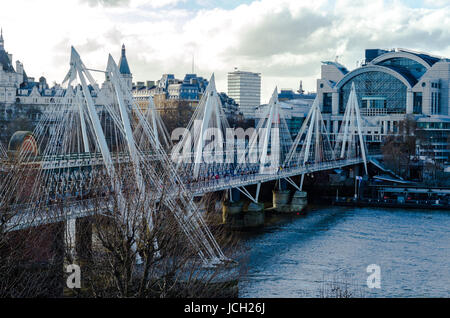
[282, 33]
[106, 3]
[285, 40]
[436, 3]
[132, 3]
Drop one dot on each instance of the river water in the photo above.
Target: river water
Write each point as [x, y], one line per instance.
[306, 256]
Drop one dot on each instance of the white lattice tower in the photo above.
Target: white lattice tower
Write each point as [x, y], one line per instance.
[202, 150]
[312, 144]
[158, 127]
[269, 145]
[179, 201]
[80, 127]
[350, 140]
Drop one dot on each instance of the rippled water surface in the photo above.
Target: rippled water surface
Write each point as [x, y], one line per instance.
[303, 256]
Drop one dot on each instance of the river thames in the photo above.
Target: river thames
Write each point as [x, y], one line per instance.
[306, 255]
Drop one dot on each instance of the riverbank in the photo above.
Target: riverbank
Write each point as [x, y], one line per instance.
[386, 203]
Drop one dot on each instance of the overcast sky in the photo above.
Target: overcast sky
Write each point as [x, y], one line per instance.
[285, 40]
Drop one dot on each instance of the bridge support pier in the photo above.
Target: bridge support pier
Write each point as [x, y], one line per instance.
[299, 201]
[230, 211]
[78, 239]
[234, 195]
[281, 201]
[70, 238]
[254, 215]
[236, 216]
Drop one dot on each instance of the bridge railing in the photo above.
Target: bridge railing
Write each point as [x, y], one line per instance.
[217, 183]
[24, 216]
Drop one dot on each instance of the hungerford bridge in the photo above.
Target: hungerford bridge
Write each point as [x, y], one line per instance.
[109, 145]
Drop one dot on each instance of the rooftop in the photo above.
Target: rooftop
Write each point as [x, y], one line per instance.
[123, 63]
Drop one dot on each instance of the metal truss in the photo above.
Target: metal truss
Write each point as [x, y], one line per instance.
[350, 140]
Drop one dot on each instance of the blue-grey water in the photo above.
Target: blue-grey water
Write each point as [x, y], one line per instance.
[332, 246]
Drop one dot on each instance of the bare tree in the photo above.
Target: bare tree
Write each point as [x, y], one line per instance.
[399, 150]
[108, 245]
[168, 266]
[30, 257]
[175, 113]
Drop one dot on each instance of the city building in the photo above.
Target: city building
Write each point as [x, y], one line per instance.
[230, 108]
[10, 78]
[294, 110]
[168, 90]
[23, 97]
[288, 94]
[295, 106]
[391, 85]
[245, 89]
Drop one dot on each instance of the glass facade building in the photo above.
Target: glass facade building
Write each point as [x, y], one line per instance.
[375, 90]
[391, 85]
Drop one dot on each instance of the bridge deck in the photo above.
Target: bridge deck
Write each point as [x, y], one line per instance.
[27, 217]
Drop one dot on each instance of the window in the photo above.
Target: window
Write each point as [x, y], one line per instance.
[435, 103]
[414, 68]
[327, 102]
[388, 90]
[378, 102]
[417, 103]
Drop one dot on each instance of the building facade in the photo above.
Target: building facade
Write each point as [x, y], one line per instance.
[391, 85]
[21, 97]
[295, 108]
[245, 89]
[169, 90]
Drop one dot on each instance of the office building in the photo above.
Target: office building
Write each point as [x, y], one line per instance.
[245, 89]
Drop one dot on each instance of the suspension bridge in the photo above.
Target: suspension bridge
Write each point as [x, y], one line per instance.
[95, 144]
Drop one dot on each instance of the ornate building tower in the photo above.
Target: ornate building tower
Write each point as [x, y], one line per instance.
[125, 69]
[2, 43]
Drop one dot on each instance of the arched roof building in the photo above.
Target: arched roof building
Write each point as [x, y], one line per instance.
[390, 85]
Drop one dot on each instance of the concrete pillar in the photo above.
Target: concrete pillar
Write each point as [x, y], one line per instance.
[83, 239]
[236, 195]
[231, 209]
[299, 201]
[409, 101]
[281, 200]
[78, 238]
[254, 215]
[357, 170]
[283, 184]
[70, 237]
[335, 103]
